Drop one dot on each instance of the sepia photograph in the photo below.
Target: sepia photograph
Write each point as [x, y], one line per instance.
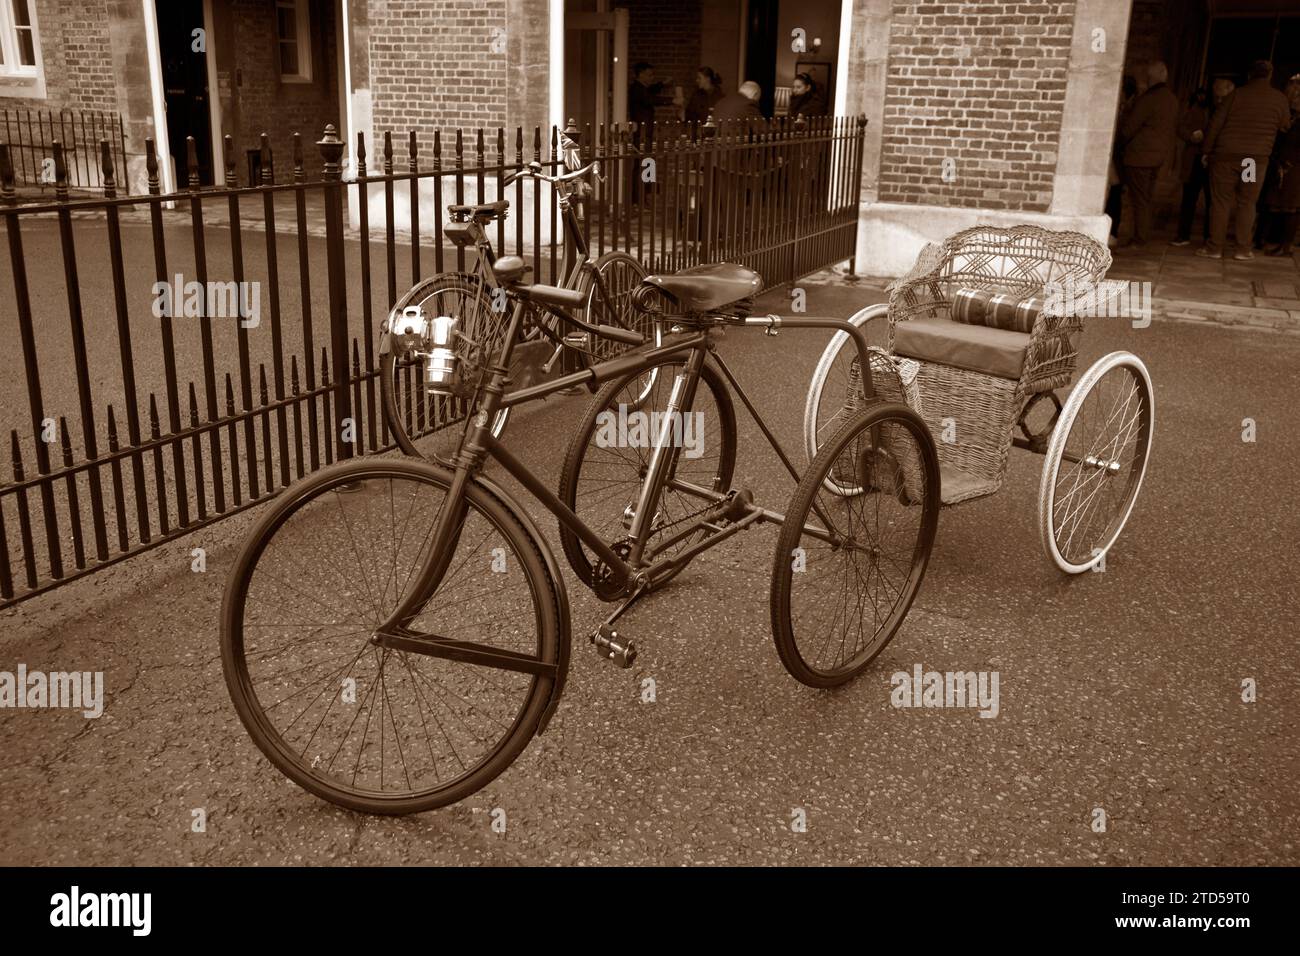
[650, 434]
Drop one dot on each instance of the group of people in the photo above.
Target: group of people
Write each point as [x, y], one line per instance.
[1239, 147]
[710, 99]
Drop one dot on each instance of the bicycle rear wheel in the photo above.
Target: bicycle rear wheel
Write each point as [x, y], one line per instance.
[849, 565]
[373, 728]
[836, 389]
[1095, 462]
[606, 464]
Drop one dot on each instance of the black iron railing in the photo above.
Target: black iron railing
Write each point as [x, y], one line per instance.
[153, 406]
[31, 135]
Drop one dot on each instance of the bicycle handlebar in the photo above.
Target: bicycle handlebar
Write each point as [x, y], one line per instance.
[534, 171]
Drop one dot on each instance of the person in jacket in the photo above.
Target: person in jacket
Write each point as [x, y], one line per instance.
[1115, 185]
[708, 90]
[1148, 133]
[806, 98]
[1283, 198]
[1236, 151]
[643, 95]
[1191, 130]
[740, 105]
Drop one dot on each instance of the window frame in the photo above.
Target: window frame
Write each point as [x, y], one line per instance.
[302, 37]
[19, 79]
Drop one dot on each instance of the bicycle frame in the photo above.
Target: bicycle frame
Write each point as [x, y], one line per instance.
[478, 445]
[577, 260]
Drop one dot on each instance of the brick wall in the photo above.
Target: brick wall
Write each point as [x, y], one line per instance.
[437, 64]
[262, 103]
[982, 85]
[666, 33]
[77, 58]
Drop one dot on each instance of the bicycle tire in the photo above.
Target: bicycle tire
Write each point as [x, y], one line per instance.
[406, 405]
[350, 480]
[571, 475]
[856, 440]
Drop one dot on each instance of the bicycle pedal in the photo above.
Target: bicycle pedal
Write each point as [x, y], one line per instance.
[611, 646]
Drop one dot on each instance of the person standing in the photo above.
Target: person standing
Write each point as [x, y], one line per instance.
[1148, 133]
[1283, 199]
[643, 95]
[740, 105]
[1191, 130]
[806, 98]
[1236, 152]
[1115, 185]
[708, 90]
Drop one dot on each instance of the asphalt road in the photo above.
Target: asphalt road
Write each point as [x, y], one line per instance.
[1119, 690]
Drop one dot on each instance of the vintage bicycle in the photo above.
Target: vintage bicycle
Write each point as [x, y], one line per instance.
[982, 333]
[395, 631]
[415, 415]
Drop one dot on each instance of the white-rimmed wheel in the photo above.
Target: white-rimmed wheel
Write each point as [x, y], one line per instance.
[1095, 462]
[834, 382]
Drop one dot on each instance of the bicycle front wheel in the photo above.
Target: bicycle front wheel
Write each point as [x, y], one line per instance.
[424, 424]
[849, 565]
[370, 727]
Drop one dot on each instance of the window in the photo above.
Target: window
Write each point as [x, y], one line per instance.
[19, 49]
[293, 34]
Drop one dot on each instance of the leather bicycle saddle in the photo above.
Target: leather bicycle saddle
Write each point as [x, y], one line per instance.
[702, 288]
[483, 211]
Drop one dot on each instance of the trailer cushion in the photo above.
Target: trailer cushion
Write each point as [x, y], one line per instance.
[977, 348]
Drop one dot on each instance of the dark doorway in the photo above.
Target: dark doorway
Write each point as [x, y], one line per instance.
[1235, 42]
[185, 84]
[760, 50]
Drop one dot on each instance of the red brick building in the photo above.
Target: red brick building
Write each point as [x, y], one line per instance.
[993, 111]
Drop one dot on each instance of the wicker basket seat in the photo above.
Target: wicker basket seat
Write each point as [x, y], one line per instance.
[974, 384]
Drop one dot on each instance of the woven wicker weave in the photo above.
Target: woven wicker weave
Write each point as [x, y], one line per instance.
[981, 409]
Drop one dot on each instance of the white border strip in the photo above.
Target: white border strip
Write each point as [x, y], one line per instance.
[842, 59]
[350, 133]
[214, 99]
[161, 146]
[556, 66]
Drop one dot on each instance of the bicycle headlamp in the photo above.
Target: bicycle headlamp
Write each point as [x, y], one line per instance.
[440, 366]
[409, 329]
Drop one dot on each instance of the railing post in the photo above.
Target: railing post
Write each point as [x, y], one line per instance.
[331, 150]
[857, 189]
[704, 205]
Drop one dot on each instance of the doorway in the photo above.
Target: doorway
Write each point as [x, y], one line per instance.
[1235, 42]
[595, 63]
[185, 84]
[760, 50]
